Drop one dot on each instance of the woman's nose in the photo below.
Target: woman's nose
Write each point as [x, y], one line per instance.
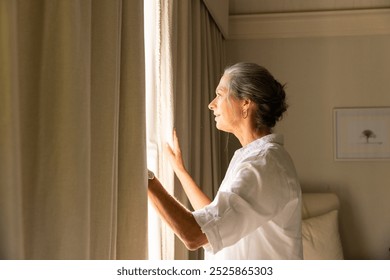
[211, 105]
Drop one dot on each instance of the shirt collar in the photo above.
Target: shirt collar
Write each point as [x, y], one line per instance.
[261, 142]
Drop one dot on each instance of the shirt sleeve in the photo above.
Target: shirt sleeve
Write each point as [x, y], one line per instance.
[256, 194]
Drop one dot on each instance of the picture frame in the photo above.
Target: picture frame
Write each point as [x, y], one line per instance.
[362, 133]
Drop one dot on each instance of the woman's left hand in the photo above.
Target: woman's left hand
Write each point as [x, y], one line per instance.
[174, 154]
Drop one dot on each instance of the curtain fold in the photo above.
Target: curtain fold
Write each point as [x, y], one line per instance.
[72, 124]
[132, 177]
[11, 216]
[198, 62]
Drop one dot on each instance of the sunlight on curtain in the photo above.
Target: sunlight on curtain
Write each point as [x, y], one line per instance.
[159, 118]
[151, 27]
[184, 61]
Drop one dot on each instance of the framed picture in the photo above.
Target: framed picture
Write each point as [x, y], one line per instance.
[362, 133]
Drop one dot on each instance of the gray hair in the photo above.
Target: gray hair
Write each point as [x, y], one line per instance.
[254, 82]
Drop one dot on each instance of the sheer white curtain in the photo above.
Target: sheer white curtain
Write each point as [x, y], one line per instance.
[72, 130]
[159, 117]
[187, 62]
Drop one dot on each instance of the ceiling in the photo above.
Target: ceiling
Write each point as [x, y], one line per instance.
[240, 7]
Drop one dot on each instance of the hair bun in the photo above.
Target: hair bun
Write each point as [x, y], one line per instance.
[254, 82]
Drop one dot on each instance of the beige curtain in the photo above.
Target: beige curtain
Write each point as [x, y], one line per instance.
[198, 61]
[72, 130]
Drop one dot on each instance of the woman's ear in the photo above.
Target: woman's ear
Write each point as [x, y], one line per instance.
[246, 103]
[245, 107]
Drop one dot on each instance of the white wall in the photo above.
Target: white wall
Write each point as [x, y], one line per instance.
[321, 74]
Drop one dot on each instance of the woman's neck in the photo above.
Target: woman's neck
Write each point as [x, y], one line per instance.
[248, 136]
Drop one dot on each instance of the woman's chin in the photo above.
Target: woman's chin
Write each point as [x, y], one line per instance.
[221, 127]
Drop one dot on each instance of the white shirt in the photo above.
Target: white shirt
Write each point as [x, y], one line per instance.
[256, 213]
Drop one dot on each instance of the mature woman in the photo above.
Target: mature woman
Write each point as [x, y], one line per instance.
[256, 213]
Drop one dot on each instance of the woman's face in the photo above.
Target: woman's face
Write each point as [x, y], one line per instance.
[227, 109]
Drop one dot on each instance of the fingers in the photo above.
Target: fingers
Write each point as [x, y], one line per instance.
[169, 150]
[175, 151]
[174, 154]
[176, 141]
